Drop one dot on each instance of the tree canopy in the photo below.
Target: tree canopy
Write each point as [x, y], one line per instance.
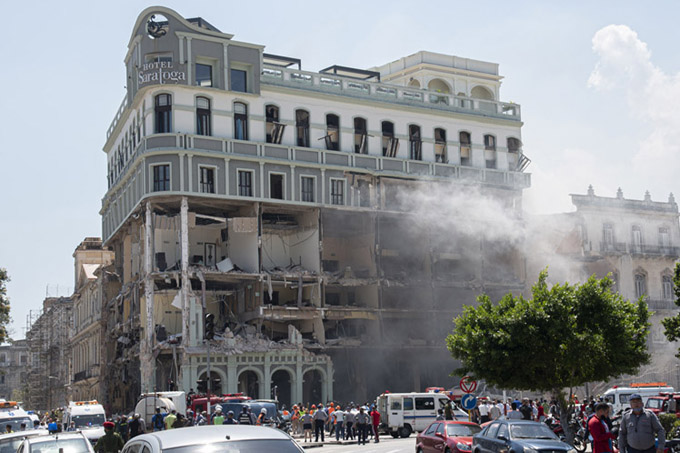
[564, 336]
[4, 306]
[672, 324]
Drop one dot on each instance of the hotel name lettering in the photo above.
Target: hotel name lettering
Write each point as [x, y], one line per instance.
[160, 72]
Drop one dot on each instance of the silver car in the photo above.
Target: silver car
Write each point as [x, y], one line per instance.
[69, 442]
[214, 439]
[9, 443]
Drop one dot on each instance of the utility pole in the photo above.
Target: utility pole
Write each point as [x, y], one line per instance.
[207, 336]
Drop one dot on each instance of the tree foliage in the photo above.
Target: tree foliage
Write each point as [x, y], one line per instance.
[672, 324]
[4, 306]
[564, 336]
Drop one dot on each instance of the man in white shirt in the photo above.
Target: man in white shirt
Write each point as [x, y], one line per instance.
[484, 411]
[496, 410]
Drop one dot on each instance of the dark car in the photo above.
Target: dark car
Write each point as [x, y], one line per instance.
[447, 436]
[518, 436]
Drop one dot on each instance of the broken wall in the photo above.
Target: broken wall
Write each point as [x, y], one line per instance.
[242, 243]
[286, 244]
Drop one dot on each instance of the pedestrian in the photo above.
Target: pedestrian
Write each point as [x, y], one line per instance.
[110, 442]
[540, 412]
[440, 415]
[170, 419]
[339, 416]
[495, 411]
[230, 420]
[526, 410]
[218, 416]
[201, 418]
[135, 426]
[638, 427]
[244, 417]
[262, 418]
[448, 411]
[514, 414]
[484, 411]
[350, 418]
[599, 430]
[362, 419]
[157, 420]
[375, 422]
[191, 421]
[330, 421]
[320, 418]
[122, 428]
[295, 419]
[307, 425]
[180, 422]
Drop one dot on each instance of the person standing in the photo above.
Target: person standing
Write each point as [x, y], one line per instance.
[526, 410]
[110, 442]
[375, 422]
[362, 426]
[307, 425]
[495, 411]
[157, 420]
[448, 411]
[484, 411]
[170, 419]
[244, 417]
[514, 414]
[218, 416]
[638, 429]
[135, 426]
[320, 417]
[599, 430]
[230, 420]
[350, 418]
[339, 423]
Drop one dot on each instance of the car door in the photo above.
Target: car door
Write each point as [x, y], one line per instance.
[427, 438]
[409, 412]
[484, 442]
[396, 418]
[439, 439]
[425, 412]
[502, 441]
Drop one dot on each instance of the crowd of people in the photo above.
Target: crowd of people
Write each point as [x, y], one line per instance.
[354, 422]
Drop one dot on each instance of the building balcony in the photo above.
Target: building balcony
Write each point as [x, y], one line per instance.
[640, 250]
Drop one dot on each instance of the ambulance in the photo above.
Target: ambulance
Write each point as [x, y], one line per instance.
[87, 416]
[618, 396]
[12, 414]
[406, 413]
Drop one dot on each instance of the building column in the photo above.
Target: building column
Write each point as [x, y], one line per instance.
[267, 384]
[297, 384]
[232, 376]
[186, 283]
[148, 369]
[329, 380]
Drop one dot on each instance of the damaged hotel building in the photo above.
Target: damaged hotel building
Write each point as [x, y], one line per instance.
[272, 197]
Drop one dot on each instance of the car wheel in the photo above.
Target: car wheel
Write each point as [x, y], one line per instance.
[404, 432]
[448, 450]
[394, 434]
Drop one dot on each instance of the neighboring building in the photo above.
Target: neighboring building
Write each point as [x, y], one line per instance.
[14, 366]
[277, 200]
[87, 334]
[48, 340]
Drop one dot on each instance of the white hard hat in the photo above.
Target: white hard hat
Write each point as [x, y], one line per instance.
[218, 408]
[263, 411]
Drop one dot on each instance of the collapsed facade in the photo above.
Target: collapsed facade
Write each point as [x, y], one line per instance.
[281, 201]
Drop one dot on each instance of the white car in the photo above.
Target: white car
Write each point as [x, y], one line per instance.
[9, 443]
[69, 442]
[214, 439]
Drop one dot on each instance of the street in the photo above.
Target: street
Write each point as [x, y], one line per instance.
[386, 445]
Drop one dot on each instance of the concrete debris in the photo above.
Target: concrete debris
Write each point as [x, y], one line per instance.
[225, 265]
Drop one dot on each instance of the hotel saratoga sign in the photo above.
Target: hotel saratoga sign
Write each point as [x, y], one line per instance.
[160, 72]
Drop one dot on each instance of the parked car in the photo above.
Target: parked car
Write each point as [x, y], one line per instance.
[70, 442]
[518, 436]
[198, 439]
[447, 436]
[9, 443]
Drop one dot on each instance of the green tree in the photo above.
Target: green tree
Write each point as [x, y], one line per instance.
[672, 324]
[4, 306]
[564, 336]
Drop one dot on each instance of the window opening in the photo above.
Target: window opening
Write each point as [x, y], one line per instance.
[332, 137]
[640, 285]
[204, 75]
[163, 112]
[667, 287]
[302, 128]
[440, 146]
[239, 80]
[161, 178]
[274, 128]
[490, 151]
[337, 191]
[245, 183]
[465, 147]
[608, 234]
[207, 180]
[240, 121]
[415, 143]
[276, 186]
[203, 116]
[307, 189]
[513, 145]
[390, 144]
[637, 239]
[664, 238]
[360, 136]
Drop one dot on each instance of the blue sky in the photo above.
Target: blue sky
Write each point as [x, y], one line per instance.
[598, 83]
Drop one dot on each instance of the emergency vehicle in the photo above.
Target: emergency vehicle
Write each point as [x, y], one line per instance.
[406, 413]
[12, 414]
[84, 414]
[618, 396]
[664, 403]
[199, 403]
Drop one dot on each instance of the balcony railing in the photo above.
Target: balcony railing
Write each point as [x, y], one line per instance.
[640, 249]
[377, 91]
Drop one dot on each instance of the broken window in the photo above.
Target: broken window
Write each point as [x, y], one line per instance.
[203, 75]
[239, 80]
[307, 189]
[415, 143]
[276, 186]
[490, 151]
[207, 180]
[302, 128]
[240, 121]
[274, 128]
[364, 194]
[514, 145]
[337, 191]
[332, 298]
[161, 178]
[440, 146]
[163, 114]
[245, 183]
[360, 136]
[390, 144]
[667, 287]
[202, 116]
[332, 137]
[640, 285]
[465, 146]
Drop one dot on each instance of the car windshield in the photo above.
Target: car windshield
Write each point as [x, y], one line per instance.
[654, 403]
[55, 445]
[15, 423]
[462, 430]
[86, 420]
[10, 445]
[241, 446]
[530, 431]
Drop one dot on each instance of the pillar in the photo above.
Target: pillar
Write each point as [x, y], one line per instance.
[148, 369]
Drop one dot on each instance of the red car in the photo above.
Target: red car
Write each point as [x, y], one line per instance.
[447, 436]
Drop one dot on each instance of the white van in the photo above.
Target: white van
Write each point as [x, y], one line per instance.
[12, 414]
[406, 413]
[84, 414]
[618, 396]
[166, 401]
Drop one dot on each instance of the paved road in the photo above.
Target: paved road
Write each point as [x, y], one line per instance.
[386, 445]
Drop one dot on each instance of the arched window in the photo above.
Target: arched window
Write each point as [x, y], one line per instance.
[332, 137]
[302, 128]
[240, 121]
[640, 284]
[667, 287]
[390, 144]
[163, 114]
[415, 143]
[439, 86]
[481, 92]
[360, 136]
[440, 145]
[203, 116]
[274, 127]
[414, 83]
[465, 147]
[490, 151]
